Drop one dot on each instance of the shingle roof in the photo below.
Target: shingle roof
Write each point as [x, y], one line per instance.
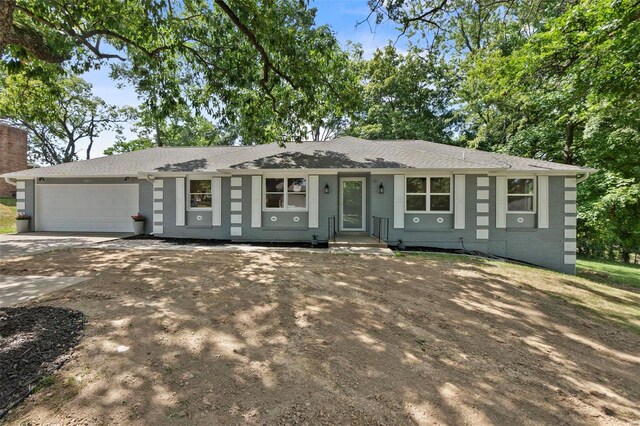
[344, 152]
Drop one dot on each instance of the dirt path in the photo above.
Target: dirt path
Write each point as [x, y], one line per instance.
[288, 338]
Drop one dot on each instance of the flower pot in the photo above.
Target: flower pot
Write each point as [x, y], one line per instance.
[138, 227]
[22, 226]
[314, 243]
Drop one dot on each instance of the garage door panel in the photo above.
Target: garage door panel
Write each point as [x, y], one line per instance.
[87, 208]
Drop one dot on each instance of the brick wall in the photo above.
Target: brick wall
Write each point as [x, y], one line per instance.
[13, 155]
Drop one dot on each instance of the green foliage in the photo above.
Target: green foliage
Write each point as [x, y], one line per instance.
[62, 116]
[181, 128]
[120, 147]
[262, 69]
[552, 80]
[609, 215]
[609, 272]
[7, 215]
[45, 382]
[405, 97]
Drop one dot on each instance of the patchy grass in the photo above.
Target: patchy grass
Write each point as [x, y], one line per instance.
[45, 382]
[609, 272]
[271, 337]
[7, 215]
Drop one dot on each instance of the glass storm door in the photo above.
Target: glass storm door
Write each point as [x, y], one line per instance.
[352, 204]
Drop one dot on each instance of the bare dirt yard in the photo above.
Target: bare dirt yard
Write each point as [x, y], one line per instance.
[204, 337]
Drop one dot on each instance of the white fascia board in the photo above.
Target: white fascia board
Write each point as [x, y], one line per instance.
[134, 176]
[373, 171]
[198, 175]
[516, 172]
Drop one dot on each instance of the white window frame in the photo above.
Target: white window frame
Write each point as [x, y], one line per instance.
[534, 195]
[188, 193]
[428, 194]
[286, 208]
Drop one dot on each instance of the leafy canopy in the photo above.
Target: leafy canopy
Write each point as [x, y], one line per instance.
[260, 67]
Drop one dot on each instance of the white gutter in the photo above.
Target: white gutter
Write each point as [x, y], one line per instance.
[8, 180]
[583, 177]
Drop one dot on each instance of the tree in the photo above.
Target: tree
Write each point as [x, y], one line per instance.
[405, 96]
[63, 119]
[261, 67]
[123, 146]
[547, 79]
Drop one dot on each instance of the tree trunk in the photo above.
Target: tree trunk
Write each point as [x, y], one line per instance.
[89, 147]
[158, 137]
[568, 143]
[626, 256]
[32, 41]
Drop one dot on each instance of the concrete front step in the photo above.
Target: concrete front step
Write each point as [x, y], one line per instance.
[357, 240]
[377, 251]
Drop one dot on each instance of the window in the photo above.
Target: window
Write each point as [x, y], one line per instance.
[285, 193]
[200, 194]
[521, 195]
[428, 194]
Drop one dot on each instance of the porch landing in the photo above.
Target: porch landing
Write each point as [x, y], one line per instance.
[358, 243]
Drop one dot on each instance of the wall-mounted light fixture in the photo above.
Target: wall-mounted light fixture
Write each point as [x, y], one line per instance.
[126, 179]
[381, 188]
[40, 179]
[326, 188]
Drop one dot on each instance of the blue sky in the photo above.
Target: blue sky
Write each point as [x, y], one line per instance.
[341, 15]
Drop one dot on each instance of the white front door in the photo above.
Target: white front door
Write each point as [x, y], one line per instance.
[86, 207]
[353, 204]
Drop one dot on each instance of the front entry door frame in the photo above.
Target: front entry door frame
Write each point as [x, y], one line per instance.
[364, 203]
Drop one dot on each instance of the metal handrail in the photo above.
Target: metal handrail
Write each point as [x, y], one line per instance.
[332, 232]
[381, 228]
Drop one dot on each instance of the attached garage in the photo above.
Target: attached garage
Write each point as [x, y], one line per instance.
[86, 207]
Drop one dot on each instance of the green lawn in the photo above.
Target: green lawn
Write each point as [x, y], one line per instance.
[609, 272]
[7, 215]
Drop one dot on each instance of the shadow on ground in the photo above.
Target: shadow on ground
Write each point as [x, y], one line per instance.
[265, 337]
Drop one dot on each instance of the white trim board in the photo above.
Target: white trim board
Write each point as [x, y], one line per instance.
[363, 201]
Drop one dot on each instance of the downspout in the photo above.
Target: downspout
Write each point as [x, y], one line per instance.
[149, 178]
[583, 178]
[10, 182]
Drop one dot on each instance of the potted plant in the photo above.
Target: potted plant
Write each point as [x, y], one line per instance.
[401, 245]
[138, 224]
[314, 240]
[22, 223]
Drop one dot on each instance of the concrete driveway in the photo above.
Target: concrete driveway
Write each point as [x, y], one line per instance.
[18, 245]
[19, 289]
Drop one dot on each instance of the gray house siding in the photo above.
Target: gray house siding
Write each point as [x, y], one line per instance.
[282, 226]
[195, 227]
[145, 203]
[26, 196]
[522, 239]
[429, 231]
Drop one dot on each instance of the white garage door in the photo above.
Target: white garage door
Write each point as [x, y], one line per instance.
[88, 208]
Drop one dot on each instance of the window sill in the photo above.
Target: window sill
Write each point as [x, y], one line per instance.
[283, 211]
[445, 230]
[284, 228]
[420, 212]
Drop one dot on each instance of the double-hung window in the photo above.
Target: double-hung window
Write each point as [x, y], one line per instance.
[521, 195]
[200, 194]
[286, 193]
[428, 194]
